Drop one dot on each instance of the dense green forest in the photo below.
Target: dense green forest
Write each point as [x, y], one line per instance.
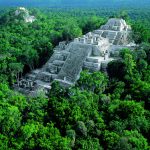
[102, 111]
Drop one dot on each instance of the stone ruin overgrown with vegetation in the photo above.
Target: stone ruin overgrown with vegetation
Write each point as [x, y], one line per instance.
[92, 51]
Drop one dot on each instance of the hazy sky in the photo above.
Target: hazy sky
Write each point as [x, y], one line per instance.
[74, 2]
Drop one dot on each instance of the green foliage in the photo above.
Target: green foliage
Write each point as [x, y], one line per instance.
[95, 82]
[37, 109]
[71, 30]
[90, 143]
[136, 140]
[28, 130]
[10, 67]
[92, 23]
[124, 15]
[72, 135]
[111, 138]
[50, 138]
[116, 88]
[141, 31]
[10, 119]
[116, 69]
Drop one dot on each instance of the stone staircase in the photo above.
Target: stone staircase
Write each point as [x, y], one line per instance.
[51, 69]
[73, 64]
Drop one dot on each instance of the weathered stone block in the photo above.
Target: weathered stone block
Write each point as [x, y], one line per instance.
[58, 62]
[91, 59]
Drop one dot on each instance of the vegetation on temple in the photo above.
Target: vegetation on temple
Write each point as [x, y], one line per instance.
[100, 112]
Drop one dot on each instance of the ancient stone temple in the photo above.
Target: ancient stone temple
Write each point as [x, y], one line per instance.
[92, 51]
[25, 13]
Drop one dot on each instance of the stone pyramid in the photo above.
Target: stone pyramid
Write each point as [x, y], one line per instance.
[92, 51]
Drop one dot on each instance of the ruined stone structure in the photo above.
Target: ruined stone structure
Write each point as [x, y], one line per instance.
[26, 16]
[92, 51]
